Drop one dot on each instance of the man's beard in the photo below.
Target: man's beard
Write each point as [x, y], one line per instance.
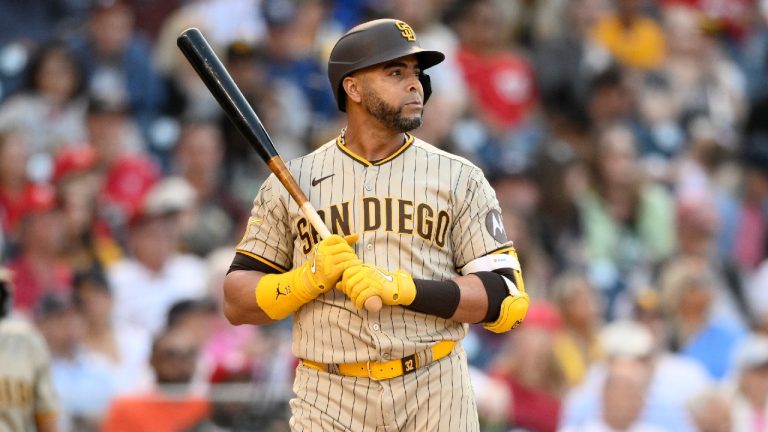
[388, 115]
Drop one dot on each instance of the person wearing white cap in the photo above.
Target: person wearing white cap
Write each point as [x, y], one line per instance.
[156, 274]
[624, 394]
[750, 401]
[673, 380]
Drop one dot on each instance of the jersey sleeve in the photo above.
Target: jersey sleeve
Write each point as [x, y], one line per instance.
[46, 401]
[478, 228]
[267, 237]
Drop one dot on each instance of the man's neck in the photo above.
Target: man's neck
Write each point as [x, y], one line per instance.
[371, 140]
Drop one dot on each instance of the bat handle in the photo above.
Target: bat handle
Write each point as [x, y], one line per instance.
[373, 304]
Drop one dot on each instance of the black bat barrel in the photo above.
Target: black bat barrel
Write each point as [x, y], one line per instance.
[215, 76]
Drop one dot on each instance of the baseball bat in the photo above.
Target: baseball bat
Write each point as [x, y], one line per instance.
[209, 68]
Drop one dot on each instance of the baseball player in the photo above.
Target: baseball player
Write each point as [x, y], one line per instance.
[27, 396]
[416, 226]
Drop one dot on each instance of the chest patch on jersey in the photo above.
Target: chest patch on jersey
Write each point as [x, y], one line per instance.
[495, 226]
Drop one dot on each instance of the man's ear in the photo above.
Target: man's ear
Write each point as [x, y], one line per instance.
[352, 88]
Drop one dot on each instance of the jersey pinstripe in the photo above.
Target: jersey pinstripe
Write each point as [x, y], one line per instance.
[26, 389]
[421, 209]
[435, 398]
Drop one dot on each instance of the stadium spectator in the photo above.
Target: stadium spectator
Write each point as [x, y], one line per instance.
[14, 182]
[665, 406]
[84, 384]
[758, 301]
[285, 60]
[523, 226]
[122, 348]
[499, 131]
[535, 22]
[265, 352]
[633, 38]
[750, 243]
[245, 63]
[39, 267]
[697, 228]
[526, 364]
[661, 137]
[215, 214]
[53, 94]
[688, 287]
[171, 406]
[155, 275]
[624, 395]
[572, 54]
[750, 398]
[500, 81]
[560, 176]
[128, 173]
[700, 174]
[78, 182]
[750, 49]
[282, 107]
[196, 317]
[628, 222]
[697, 67]
[223, 22]
[611, 99]
[711, 411]
[26, 26]
[118, 62]
[150, 15]
[576, 340]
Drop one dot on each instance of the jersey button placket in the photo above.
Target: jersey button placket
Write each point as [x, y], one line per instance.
[368, 182]
[369, 178]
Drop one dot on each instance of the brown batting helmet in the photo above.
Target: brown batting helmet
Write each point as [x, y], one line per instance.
[377, 42]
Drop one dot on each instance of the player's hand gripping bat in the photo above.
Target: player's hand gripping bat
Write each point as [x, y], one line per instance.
[210, 69]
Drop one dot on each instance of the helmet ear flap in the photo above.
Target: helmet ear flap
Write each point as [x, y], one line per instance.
[341, 98]
[426, 84]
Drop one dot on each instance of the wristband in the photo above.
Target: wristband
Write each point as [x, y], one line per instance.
[439, 298]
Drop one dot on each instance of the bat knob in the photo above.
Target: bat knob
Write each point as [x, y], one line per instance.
[373, 304]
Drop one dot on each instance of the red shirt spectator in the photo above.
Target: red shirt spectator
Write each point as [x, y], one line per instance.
[13, 205]
[500, 82]
[533, 409]
[38, 269]
[502, 86]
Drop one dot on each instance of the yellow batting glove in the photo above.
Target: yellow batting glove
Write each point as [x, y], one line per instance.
[279, 295]
[328, 261]
[360, 282]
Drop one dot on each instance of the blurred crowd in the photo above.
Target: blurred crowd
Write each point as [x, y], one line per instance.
[627, 141]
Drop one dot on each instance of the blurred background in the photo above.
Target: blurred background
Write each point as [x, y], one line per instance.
[627, 141]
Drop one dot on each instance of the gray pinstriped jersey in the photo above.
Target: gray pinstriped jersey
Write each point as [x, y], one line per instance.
[421, 209]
